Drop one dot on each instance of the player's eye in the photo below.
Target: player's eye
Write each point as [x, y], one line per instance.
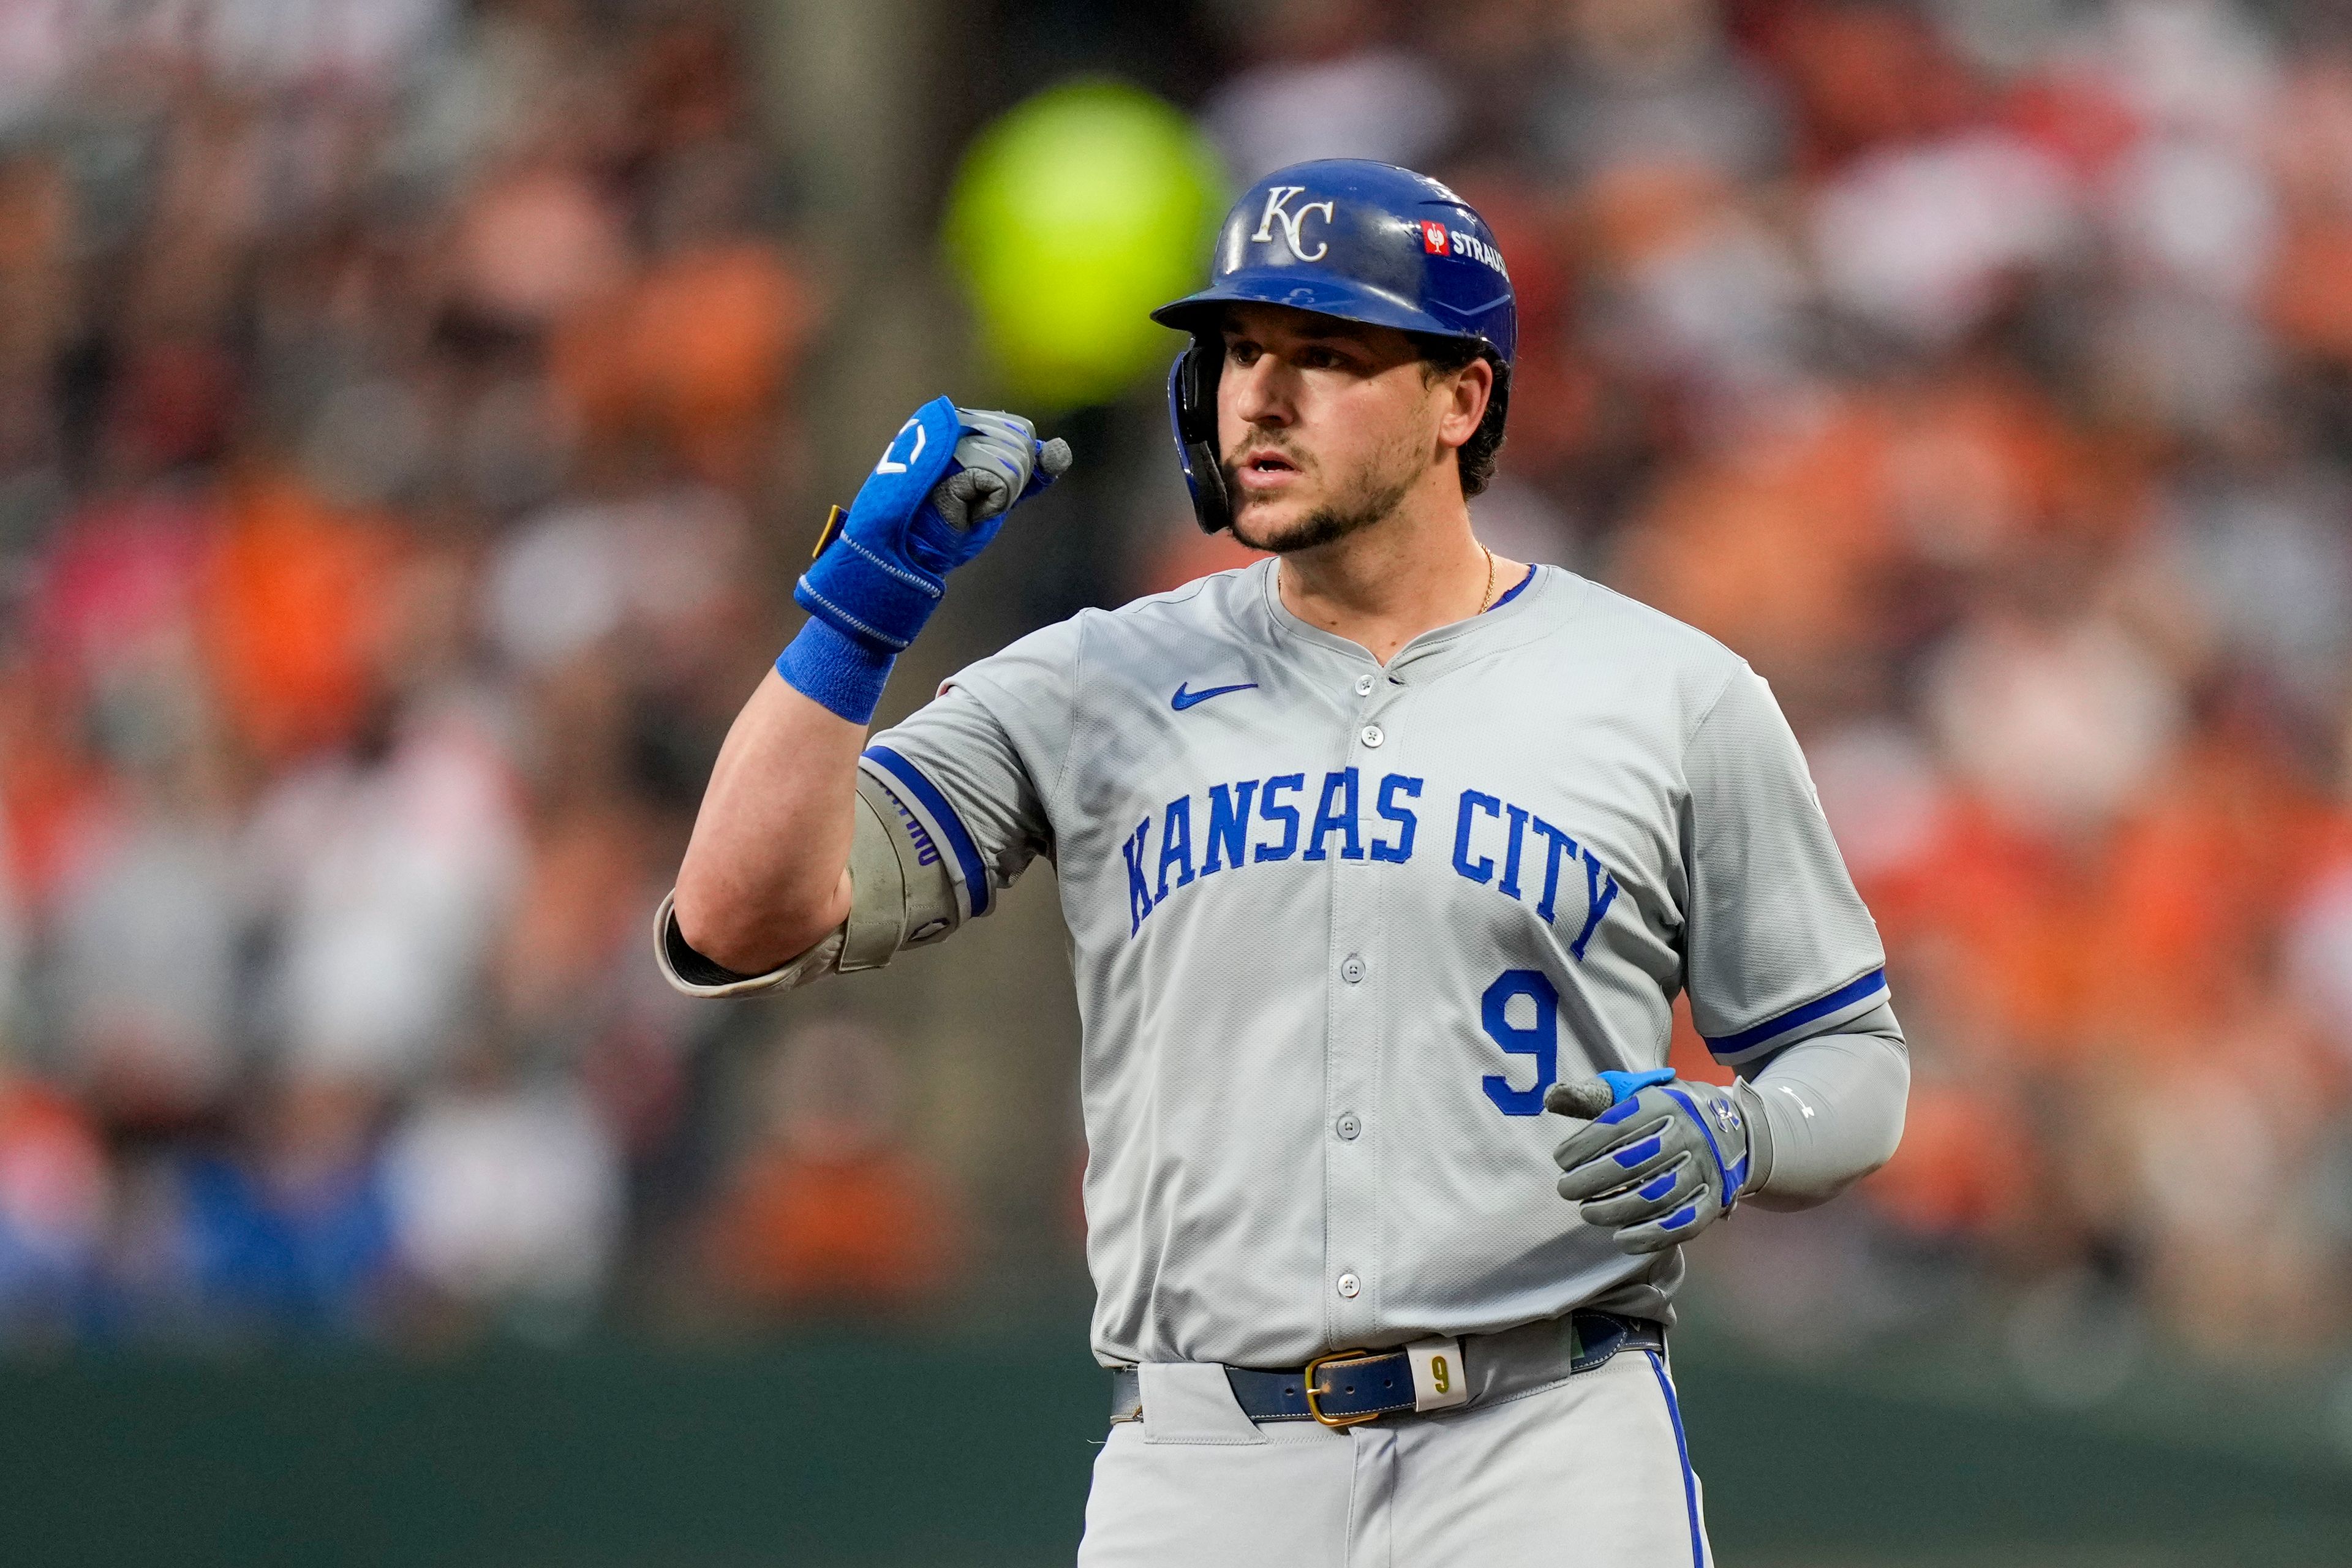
[1330, 356]
[1243, 352]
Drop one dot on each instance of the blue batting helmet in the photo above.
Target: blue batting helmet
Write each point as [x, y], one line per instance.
[1344, 238]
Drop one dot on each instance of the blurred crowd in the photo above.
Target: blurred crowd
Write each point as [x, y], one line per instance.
[401, 424]
[393, 396]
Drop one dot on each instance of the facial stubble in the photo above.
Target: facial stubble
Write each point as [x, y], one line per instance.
[1326, 524]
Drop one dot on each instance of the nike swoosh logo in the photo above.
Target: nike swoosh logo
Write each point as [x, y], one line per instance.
[1183, 698]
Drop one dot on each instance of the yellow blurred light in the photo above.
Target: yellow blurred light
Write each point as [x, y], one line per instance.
[1073, 215]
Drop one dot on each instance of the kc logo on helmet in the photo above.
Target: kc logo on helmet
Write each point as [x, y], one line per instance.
[1276, 211]
[1433, 238]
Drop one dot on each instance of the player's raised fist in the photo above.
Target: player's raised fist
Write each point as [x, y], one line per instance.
[935, 497]
[1000, 461]
[1659, 1160]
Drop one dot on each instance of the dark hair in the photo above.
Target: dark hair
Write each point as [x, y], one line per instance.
[1443, 356]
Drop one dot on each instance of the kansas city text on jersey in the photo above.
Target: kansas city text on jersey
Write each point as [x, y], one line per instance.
[1251, 822]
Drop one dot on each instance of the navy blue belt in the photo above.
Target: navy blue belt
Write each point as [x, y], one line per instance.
[1350, 1386]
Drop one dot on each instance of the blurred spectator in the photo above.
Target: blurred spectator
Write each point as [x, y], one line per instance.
[387, 871]
[2319, 953]
[293, 1232]
[1925, 241]
[54, 1188]
[2056, 720]
[1322, 83]
[831, 1209]
[505, 1194]
[147, 927]
[1652, 83]
[657, 562]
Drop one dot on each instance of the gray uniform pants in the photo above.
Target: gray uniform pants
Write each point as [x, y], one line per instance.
[1588, 1473]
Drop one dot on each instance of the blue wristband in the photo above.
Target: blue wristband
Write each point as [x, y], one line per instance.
[833, 668]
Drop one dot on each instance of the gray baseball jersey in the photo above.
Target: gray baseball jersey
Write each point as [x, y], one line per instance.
[1335, 928]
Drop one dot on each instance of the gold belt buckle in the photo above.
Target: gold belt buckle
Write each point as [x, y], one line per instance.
[1341, 1357]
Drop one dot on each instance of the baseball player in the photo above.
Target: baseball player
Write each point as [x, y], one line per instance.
[1382, 860]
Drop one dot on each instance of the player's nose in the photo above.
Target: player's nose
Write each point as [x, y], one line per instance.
[1260, 393]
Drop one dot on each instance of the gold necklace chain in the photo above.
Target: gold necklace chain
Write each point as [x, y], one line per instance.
[1486, 599]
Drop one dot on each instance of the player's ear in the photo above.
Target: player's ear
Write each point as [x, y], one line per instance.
[1465, 393]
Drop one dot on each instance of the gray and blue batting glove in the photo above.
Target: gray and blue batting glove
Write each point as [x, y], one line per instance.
[1660, 1160]
[938, 495]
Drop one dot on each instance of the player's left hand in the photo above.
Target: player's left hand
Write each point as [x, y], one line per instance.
[1660, 1157]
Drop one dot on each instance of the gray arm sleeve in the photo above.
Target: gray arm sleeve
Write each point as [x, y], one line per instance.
[901, 896]
[1826, 1111]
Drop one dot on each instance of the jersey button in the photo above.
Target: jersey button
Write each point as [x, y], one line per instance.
[1346, 1127]
[1353, 969]
[1350, 1284]
[1372, 735]
[1364, 685]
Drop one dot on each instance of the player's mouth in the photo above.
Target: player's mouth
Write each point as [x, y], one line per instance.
[1263, 470]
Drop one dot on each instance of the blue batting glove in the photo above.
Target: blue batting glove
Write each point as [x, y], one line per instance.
[937, 497]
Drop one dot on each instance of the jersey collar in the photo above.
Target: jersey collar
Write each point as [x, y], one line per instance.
[1500, 624]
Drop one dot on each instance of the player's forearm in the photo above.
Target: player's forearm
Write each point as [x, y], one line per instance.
[766, 872]
[1831, 1108]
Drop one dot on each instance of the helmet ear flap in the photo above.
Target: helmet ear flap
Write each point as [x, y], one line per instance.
[1192, 417]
